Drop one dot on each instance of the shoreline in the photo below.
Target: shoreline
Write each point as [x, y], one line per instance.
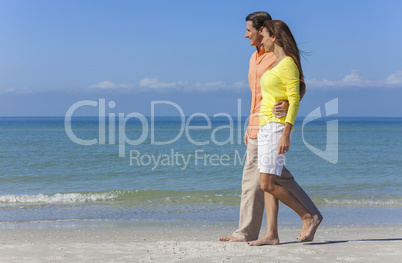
[196, 242]
[94, 216]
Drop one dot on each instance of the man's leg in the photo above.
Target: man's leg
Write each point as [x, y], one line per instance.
[252, 198]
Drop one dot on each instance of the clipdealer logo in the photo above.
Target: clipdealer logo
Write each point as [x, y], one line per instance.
[199, 157]
[148, 128]
[331, 147]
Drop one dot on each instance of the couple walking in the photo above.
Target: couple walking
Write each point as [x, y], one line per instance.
[277, 85]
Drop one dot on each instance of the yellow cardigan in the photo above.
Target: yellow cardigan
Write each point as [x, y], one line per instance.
[280, 83]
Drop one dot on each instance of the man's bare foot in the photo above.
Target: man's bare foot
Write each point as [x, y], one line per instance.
[230, 239]
[310, 225]
[265, 240]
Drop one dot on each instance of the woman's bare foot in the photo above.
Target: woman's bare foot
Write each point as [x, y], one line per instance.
[230, 239]
[265, 240]
[310, 225]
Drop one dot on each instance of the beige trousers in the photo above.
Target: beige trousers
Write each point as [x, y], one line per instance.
[252, 197]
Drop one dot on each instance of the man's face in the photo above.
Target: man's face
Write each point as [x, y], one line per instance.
[253, 34]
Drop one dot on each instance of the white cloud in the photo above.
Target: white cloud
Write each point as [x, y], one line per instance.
[156, 84]
[220, 85]
[217, 84]
[23, 90]
[207, 86]
[240, 84]
[187, 86]
[394, 79]
[110, 85]
[355, 79]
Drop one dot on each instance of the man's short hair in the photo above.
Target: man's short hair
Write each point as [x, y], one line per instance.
[258, 18]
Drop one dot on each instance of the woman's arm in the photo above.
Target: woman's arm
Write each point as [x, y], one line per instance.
[290, 79]
[280, 108]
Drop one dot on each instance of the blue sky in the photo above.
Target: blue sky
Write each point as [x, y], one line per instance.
[193, 53]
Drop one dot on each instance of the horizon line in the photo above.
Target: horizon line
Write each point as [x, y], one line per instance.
[177, 116]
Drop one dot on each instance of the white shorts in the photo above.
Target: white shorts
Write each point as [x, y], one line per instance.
[269, 161]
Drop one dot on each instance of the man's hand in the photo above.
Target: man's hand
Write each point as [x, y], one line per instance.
[280, 108]
[245, 138]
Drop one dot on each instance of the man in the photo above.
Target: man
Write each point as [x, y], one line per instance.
[252, 197]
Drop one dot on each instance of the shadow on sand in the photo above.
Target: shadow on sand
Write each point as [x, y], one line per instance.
[345, 241]
[339, 241]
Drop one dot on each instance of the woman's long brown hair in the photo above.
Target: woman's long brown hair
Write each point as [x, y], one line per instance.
[285, 39]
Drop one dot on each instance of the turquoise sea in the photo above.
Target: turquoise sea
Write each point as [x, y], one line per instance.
[173, 174]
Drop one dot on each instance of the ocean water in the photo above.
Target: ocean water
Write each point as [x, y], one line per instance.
[151, 170]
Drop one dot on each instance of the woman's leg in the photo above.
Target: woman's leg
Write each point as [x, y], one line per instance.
[310, 222]
[271, 209]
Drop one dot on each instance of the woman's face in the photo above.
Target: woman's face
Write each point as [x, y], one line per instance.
[267, 40]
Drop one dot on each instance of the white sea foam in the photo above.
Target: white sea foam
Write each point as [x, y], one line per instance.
[57, 198]
[130, 196]
[364, 202]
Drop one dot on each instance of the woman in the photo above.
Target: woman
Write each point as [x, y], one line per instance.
[280, 82]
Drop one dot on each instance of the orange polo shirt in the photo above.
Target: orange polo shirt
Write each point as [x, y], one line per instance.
[259, 64]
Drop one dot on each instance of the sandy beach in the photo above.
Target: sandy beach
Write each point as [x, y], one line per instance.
[197, 243]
